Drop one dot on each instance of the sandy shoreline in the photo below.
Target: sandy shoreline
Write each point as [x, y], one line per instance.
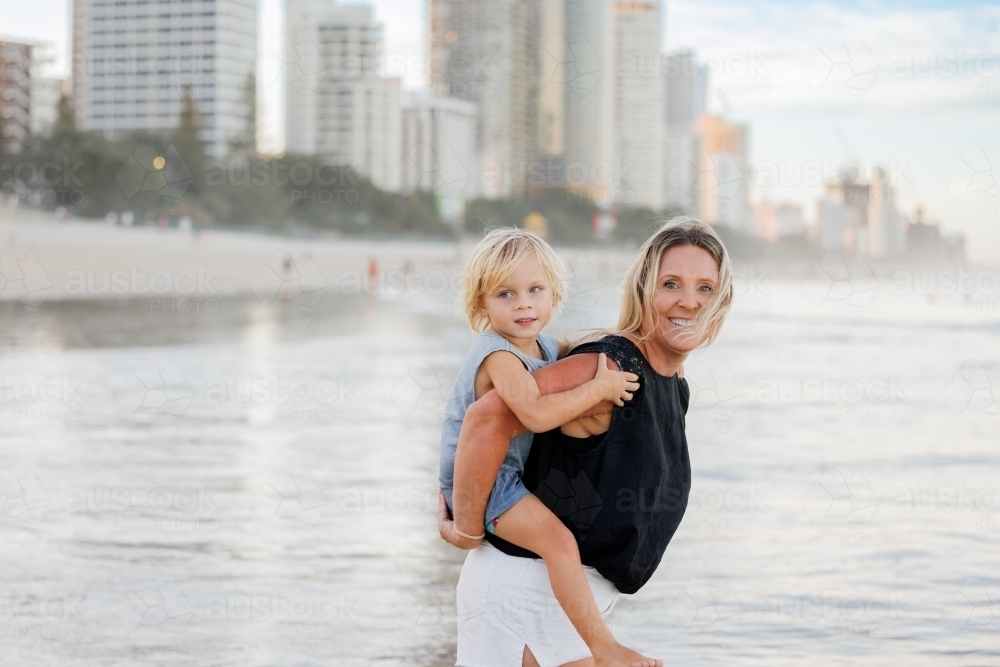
[44, 258]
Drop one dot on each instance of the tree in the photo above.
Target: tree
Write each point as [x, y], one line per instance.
[245, 143]
[66, 118]
[187, 140]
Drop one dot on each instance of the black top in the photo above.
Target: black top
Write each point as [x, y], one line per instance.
[622, 493]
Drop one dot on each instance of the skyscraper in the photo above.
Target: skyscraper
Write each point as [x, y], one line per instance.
[132, 60]
[15, 95]
[481, 51]
[337, 106]
[639, 105]
[439, 151]
[685, 81]
[723, 174]
[576, 97]
[885, 230]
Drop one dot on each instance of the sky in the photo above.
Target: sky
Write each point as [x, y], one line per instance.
[913, 87]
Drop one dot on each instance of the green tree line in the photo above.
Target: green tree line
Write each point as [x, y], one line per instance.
[165, 176]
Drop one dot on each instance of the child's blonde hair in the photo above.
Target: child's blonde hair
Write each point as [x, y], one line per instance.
[495, 258]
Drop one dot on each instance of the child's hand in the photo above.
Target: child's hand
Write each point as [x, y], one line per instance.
[615, 386]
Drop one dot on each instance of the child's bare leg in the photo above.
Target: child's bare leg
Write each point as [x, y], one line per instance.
[531, 525]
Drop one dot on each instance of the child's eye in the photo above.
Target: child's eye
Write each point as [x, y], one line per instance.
[536, 288]
[505, 294]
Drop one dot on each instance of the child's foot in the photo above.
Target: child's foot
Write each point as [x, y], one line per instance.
[622, 656]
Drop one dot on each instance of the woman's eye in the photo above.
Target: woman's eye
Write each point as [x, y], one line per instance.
[707, 289]
[670, 284]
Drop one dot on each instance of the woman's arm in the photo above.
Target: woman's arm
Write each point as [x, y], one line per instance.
[486, 431]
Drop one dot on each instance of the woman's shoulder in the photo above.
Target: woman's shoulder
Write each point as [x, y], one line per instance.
[619, 348]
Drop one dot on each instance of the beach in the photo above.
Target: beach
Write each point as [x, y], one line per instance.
[249, 476]
[86, 258]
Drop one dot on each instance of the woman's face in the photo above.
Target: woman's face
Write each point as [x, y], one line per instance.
[687, 278]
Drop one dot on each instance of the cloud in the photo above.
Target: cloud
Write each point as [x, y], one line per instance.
[923, 57]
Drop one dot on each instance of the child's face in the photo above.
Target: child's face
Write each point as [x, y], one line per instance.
[521, 306]
[687, 279]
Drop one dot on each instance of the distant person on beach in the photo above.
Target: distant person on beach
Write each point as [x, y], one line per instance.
[511, 285]
[618, 476]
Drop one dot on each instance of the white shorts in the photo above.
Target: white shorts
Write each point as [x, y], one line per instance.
[506, 603]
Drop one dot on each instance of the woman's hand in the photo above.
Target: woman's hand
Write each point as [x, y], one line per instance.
[446, 527]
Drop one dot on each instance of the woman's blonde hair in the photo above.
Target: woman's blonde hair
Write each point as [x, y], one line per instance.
[495, 258]
[640, 283]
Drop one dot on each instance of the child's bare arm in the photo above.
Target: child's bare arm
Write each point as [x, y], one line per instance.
[538, 413]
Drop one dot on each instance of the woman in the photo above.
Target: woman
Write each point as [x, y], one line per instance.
[618, 477]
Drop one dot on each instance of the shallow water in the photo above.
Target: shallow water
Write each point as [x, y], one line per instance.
[256, 484]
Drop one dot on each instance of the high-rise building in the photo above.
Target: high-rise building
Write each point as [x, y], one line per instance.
[482, 51]
[684, 82]
[439, 151]
[775, 222]
[15, 95]
[639, 105]
[45, 96]
[133, 60]
[832, 225]
[46, 89]
[723, 174]
[849, 191]
[337, 107]
[576, 98]
[885, 230]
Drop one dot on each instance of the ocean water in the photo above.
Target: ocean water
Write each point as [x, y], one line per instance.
[230, 482]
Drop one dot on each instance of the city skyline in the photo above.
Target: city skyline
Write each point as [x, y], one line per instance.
[874, 86]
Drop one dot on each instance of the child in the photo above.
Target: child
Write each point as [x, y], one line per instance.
[512, 283]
